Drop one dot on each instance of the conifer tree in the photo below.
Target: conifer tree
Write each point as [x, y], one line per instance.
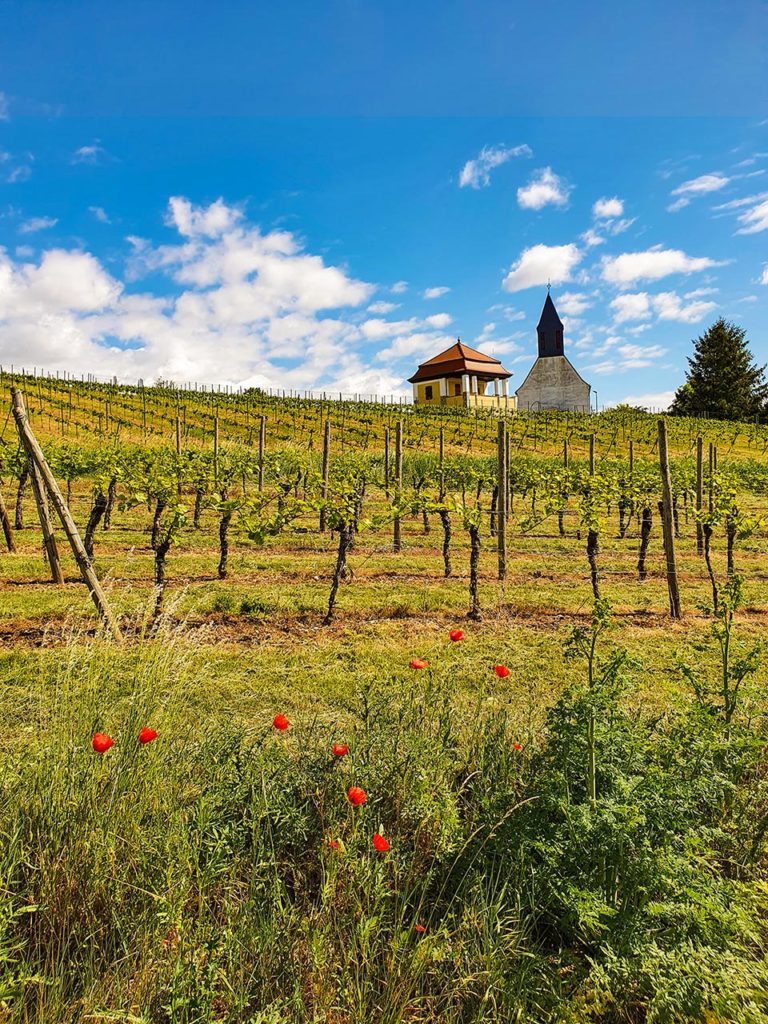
[722, 381]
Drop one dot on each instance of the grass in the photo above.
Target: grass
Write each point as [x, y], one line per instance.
[191, 880]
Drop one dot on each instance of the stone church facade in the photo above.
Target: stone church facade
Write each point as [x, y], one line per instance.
[552, 382]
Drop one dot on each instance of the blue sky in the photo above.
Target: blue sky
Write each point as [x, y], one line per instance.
[322, 197]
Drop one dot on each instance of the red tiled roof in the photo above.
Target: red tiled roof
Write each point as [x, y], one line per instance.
[460, 358]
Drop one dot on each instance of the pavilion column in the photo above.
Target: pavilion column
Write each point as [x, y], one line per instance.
[474, 385]
[443, 388]
[415, 392]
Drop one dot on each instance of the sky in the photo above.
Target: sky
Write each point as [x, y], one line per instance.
[323, 195]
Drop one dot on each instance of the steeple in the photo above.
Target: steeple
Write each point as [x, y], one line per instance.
[550, 330]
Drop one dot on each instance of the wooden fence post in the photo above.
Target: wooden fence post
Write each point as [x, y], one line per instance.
[396, 535]
[326, 469]
[668, 523]
[86, 569]
[262, 444]
[386, 462]
[501, 500]
[5, 522]
[699, 494]
[178, 454]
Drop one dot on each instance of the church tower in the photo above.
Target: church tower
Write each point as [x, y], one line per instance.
[550, 330]
[552, 382]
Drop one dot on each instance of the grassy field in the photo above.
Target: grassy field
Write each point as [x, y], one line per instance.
[581, 839]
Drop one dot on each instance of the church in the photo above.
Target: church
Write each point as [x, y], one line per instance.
[466, 377]
[552, 382]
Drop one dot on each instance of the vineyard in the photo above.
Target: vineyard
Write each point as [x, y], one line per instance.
[533, 644]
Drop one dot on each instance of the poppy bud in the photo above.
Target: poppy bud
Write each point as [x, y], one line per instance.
[280, 722]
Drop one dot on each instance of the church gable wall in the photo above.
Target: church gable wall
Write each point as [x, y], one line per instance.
[553, 384]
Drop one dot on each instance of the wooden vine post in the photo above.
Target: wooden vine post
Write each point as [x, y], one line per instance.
[667, 523]
[326, 469]
[441, 456]
[5, 522]
[501, 506]
[178, 454]
[46, 526]
[396, 533]
[699, 494]
[591, 454]
[36, 458]
[262, 444]
[386, 462]
[216, 451]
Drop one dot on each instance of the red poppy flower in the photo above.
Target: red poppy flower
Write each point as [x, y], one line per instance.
[419, 663]
[280, 722]
[501, 671]
[101, 742]
[356, 795]
[380, 844]
[147, 735]
[456, 635]
[339, 749]
[334, 844]
[420, 929]
[517, 746]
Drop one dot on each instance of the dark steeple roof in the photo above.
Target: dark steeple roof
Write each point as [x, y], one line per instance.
[550, 330]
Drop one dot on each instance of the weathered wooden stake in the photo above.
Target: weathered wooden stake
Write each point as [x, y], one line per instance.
[5, 521]
[668, 523]
[86, 569]
[501, 506]
[262, 444]
[386, 462]
[441, 456]
[216, 451]
[565, 452]
[591, 454]
[326, 469]
[178, 454]
[396, 535]
[699, 494]
[49, 539]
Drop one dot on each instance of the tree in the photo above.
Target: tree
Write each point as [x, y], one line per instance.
[722, 380]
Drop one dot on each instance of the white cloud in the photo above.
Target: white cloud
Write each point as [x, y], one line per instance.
[764, 275]
[544, 189]
[240, 306]
[700, 186]
[542, 263]
[92, 154]
[399, 287]
[573, 303]
[625, 356]
[383, 307]
[666, 306]
[651, 265]
[100, 214]
[21, 173]
[631, 306]
[606, 209]
[508, 312]
[439, 320]
[754, 219]
[477, 173]
[652, 400]
[591, 238]
[434, 293]
[4, 115]
[28, 227]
